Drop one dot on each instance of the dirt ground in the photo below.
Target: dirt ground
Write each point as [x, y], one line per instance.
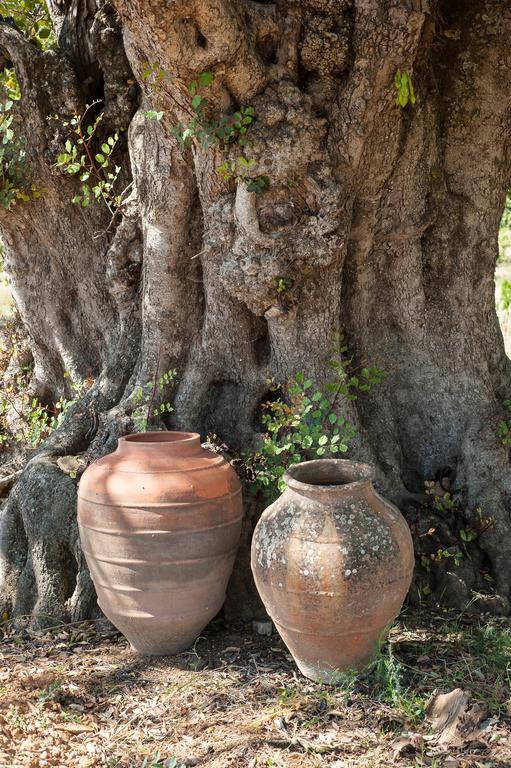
[81, 697]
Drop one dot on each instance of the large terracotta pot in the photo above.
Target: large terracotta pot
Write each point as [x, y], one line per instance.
[333, 562]
[159, 523]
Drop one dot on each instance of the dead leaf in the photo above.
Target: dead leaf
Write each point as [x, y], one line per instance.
[407, 744]
[74, 727]
[451, 718]
[70, 464]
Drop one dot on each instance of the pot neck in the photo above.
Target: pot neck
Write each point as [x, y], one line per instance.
[160, 444]
[329, 479]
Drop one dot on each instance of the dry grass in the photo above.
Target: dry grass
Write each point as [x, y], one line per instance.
[79, 698]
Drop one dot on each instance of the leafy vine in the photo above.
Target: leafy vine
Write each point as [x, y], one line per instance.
[14, 167]
[93, 161]
[207, 132]
[304, 424]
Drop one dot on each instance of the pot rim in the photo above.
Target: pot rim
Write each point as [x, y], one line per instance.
[343, 474]
[159, 437]
[162, 443]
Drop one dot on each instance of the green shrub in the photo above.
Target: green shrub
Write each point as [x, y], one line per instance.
[304, 423]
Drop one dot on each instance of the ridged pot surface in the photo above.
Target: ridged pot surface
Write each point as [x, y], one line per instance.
[333, 562]
[160, 521]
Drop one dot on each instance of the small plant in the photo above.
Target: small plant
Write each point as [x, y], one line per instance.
[285, 694]
[92, 161]
[50, 692]
[151, 114]
[242, 171]
[388, 677]
[205, 131]
[145, 409]
[303, 423]
[200, 128]
[32, 19]
[208, 133]
[154, 75]
[404, 87]
[431, 547]
[62, 406]
[14, 168]
[453, 553]
[34, 421]
[441, 502]
[283, 284]
[31, 417]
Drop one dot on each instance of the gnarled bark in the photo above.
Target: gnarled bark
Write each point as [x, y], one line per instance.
[381, 220]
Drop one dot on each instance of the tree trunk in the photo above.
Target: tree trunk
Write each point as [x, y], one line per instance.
[378, 219]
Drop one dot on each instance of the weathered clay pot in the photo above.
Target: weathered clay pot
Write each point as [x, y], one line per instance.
[333, 562]
[159, 523]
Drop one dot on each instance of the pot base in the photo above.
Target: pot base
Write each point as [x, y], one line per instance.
[333, 659]
[155, 637]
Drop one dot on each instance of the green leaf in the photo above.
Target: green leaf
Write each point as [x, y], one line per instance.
[259, 184]
[196, 101]
[205, 79]
[100, 158]
[153, 115]
[148, 70]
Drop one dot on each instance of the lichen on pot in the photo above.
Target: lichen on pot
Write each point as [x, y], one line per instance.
[333, 562]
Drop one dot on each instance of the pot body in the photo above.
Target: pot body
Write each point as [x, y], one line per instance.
[159, 522]
[333, 562]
